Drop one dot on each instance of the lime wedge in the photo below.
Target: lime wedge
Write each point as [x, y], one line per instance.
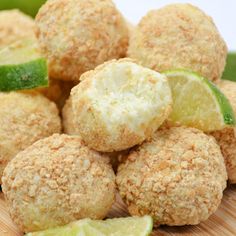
[30, 7]
[198, 103]
[130, 226]
[22, 66]
[230, 68]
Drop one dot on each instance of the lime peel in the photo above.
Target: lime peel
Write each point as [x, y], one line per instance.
[22, 66]
[29, 7]
[226, 108]
[230, 68]
[198, 102]
[25, 76]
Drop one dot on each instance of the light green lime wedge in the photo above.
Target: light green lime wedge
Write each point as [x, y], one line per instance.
[28, 6]
[22, 67]
[230, 68]
[198, 103]
[129, 226]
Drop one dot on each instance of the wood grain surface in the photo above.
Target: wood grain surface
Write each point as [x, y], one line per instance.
[222, 223]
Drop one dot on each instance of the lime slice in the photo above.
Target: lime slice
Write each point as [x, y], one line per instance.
[22, 66]
[30, 7]
[198, 103]
[230, 68]
[138, 226]
[130, 226]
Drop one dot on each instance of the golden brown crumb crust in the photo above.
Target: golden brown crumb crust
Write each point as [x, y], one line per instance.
[179, 36]
[226, 138]
[178, 177]
[81, 35]
[55, 181]
[24, 119]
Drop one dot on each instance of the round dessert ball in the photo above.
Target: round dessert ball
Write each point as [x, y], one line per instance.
[81, 35]
[14, 25]
[119, 105]
[55, 181]
[226, 138]
[179, 36]
[178, 177]
[24, 119]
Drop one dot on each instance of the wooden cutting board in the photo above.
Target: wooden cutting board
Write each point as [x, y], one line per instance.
[222, 223]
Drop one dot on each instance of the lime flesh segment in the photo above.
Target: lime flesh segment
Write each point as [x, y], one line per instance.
[72, 229]
[130, 226]
[230, 68]
[22, 67]
[198, 103]
[20, 52]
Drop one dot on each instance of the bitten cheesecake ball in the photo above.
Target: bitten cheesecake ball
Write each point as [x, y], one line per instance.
[55, 181]
[14, 25]
[119, 105]
[78, 35]
[226, 138]
[24, 119]
[179, 36]
[178, 177]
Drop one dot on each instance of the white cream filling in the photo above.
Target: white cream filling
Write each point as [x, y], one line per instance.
[127, 94]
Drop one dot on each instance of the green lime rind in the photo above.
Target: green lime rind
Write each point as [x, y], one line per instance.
[22, 66]
[28, 75]
[30, 7]
[230, 68]
[224, 104]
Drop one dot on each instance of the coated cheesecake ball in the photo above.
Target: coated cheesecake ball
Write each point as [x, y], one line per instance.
[179, 36]
[78, 35]
[178, 177]
[55, 181]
